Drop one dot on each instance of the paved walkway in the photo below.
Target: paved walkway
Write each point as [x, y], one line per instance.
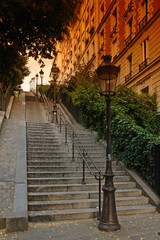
[8, 152]
[137, 227]
[133, 228]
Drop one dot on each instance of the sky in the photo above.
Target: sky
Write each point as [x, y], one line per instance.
[34, 68]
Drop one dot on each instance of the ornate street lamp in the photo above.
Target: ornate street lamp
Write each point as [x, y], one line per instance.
[107, 75]
[41, 76]
[55, 72]
[33, 80]
[36, 83]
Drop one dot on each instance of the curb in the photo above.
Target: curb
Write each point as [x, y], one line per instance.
[7, 114]
[2, 115]
[17, 220]
[146, 189]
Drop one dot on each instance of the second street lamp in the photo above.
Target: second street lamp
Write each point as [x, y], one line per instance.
[107, 75]
[41, 76]
[36, 84]
[55, 71]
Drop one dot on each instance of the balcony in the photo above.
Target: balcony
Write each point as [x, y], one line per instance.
[101, 48]
[129, 9]
[87, 41]
[87, 21]
[91, 31]
[113, 31]
[128, 76]
[92, 10]
[143, 64]
[142, 23]
[128, 39]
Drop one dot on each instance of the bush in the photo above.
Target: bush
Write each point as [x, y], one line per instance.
[134, 136]
[134, 146]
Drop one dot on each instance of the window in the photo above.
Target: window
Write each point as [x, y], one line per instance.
[144, 8]
[114, 17]
[145, 54]
[115, 48]
[145, 90]
[144, 14]
[129, 68]
[87, 56]
[144, 47]
[130, 26]
[129, 32]
[93, 48]
[129, 64]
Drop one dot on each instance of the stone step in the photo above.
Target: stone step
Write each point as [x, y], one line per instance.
[45, 216]
[53, 196]
[70, 174]
[82, 203]
[75, 187]
[77, 159]
[65, 169]
[44, 151]
[46, 154]
[53, 163]
[44, 145]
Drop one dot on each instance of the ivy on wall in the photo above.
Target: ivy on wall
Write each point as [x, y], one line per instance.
[135, 124]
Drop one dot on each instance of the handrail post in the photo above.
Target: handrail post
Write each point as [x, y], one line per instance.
[65, 132]
[83, 179]
[60, 122]
[99, 214]
[73, 146]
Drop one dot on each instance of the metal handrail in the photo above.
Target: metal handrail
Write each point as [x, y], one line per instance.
[77, 143]
[4, 98]
[83, 153]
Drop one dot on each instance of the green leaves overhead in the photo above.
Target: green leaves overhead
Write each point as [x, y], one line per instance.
[33, 27]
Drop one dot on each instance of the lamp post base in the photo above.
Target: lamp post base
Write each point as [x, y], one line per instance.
[109, 220]
[109, 227]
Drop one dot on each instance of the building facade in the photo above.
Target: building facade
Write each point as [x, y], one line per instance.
[128, 30]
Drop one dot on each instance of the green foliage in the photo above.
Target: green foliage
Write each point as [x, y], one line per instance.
[13, 66]
[33, 27]
[141, 108]
[43, 89]
[134, 136]
[134, 146]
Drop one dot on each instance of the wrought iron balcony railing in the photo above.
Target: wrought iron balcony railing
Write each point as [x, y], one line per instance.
[114, 30]
[143, 64]
[142, 23]
[128, 76]
[128, 39]
[129, 9]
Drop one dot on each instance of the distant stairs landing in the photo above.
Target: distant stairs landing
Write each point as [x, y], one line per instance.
[55, 191]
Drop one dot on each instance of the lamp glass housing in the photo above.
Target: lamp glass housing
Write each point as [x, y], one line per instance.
[55, 71]
[41, 73]
[107, 83]
[107, 75]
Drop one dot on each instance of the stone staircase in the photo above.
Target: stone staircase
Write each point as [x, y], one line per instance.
[55, 189]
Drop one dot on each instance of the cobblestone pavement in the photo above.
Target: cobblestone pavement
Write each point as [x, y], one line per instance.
[8, 150]
[140, 227]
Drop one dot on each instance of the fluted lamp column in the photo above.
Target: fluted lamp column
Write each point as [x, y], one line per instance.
[55, 72]
[107, 75]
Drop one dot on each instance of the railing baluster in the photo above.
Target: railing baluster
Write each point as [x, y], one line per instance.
[99, 215]
[83, 179]
[65, 132]
[60, 122]
[73, 146]
[83, 153]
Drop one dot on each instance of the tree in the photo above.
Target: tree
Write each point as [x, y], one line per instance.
[34, 26]
[13, 66]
